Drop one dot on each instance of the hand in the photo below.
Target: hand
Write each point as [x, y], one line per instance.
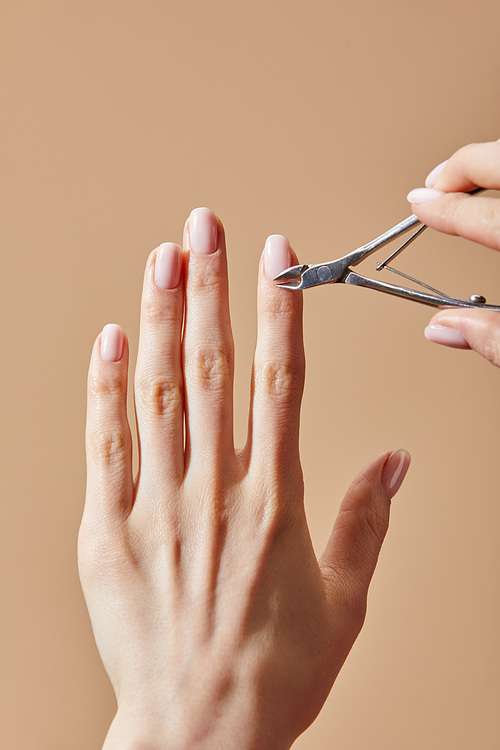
[215, 622]
[443, 205]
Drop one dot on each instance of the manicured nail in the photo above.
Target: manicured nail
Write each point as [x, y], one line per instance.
[277, 255]
[446, 336]
[168, 265]
[111, 343]
[394, 471]
[433, 176]
[203, 231]
[423, 195]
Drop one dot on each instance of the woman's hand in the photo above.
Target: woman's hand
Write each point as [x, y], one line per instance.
[215, 622]
[444, 205]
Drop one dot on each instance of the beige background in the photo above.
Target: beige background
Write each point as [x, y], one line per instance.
[311, 119]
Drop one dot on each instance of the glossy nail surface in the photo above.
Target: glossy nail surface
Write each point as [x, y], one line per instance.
[277, 255]
[168, 265]
[394, 471]
[435, 174]
[203, 231]
[112, 343]
[424, 195]
[446, 336]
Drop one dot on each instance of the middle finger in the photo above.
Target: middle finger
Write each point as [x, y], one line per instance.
[208, 343]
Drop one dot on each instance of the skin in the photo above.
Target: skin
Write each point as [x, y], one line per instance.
[217, 625]
[475, 218]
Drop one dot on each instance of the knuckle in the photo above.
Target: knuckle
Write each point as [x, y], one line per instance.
[491, 223]
[102, 386]
[210, 368]
[368, 524]
[463, 159]
[102, 554]
[355, 606]
[155, 312]
[279, 379]
[158, 396]
[348, 591]
[375, 520]
[109, 447]
[278, 306]
[462, 155]
[491, 350]
[208, 281]
[276, 515]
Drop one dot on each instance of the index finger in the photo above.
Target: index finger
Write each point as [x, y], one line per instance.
[476, 219]
[475, 165]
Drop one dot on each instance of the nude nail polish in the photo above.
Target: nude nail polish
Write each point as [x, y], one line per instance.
[277, 255]
[424, 195]
[446, 336]
[435, 174]
[394, 471]
[203, 232]
[111, 343]
[168, 265]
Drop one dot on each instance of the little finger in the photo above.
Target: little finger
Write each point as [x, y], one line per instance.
[108, 438]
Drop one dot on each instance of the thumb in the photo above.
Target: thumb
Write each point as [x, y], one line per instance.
[467, 329]
[351, 554]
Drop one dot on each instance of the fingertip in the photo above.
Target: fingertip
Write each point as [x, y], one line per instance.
[480, 329]
[277, 255]
[167, 265]
[425, 195]
[395, 470]
[203, 231]
[435, 174]
[111, 343]
[446, 336]
[221, 233]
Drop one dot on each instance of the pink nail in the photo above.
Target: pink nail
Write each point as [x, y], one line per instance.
[111, 343]
[168, 265]
[446, 336]
[424, 195]
[277, 255]
[203, 232]
[433, 176]
[394, 471]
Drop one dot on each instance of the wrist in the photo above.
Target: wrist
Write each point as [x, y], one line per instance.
[127, 732]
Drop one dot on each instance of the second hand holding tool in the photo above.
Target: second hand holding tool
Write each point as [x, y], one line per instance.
[339, 271]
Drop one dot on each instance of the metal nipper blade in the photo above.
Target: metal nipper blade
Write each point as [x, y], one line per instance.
[292, 275]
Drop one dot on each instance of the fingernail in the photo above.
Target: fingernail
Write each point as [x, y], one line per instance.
[446, 336]
[394, 471]
[111, 343]
[433, 176]
[203, 231]
[424, 195]
[168, 265]
[277, 255]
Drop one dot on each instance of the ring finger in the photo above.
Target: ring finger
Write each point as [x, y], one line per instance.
[158, 378]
